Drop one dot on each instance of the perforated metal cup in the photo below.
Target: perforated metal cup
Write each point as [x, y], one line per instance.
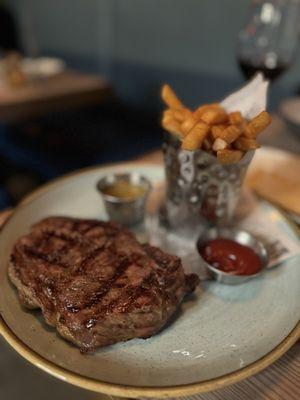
[198, 187]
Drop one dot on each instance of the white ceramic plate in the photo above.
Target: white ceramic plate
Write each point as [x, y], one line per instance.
[221, 335]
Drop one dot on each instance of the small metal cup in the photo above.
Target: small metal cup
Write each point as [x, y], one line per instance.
[125, 212]
[239, 236]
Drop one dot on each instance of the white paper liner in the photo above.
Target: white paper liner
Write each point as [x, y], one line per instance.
[263, 222]
[250, 100]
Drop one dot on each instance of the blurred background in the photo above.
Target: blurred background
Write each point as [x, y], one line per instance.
[80, 82]
[80, 79]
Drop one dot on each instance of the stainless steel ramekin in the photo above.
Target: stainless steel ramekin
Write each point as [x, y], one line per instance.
[241, 237]
[127, 212]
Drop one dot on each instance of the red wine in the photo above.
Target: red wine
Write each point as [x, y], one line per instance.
[250, 69]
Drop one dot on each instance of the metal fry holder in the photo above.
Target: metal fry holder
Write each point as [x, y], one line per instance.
[198, 188]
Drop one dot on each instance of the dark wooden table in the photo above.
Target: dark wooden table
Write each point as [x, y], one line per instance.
[67, 90]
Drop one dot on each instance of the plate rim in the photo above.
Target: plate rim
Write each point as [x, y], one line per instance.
[147, 391]
[137, 391]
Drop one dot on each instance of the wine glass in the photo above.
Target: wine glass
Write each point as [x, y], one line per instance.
[268, 41]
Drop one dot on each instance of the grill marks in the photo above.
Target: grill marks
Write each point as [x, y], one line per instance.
[95, 282]
[107, 285]
[47, 258]
[55, 256]
[78, 239]
[132, 292]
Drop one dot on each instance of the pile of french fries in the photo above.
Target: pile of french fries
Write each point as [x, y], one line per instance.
[227, 135]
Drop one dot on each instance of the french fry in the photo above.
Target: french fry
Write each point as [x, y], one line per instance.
[201, 127]
[244, 143]
[168, 114]
[217, 129]
[188, 125]
[170, 98]
[227, 156]
[195, 137]
[171, 125]
[235, 118]
[200, 110]
[227, 135]
[178, 115]
[214, 116]
[181, 115]
[230, 134]
[258, 124]
[219, 144]
[243, 125]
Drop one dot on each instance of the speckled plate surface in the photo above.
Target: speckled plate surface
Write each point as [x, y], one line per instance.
[221, 335]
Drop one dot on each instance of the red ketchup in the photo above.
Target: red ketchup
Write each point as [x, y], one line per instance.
[230, 256]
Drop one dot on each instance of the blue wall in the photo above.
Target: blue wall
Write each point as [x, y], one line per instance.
[141, 43]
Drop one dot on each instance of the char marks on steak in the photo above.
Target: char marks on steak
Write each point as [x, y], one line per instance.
[95, 283]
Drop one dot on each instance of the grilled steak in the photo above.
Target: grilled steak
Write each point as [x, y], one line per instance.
[95, 283]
